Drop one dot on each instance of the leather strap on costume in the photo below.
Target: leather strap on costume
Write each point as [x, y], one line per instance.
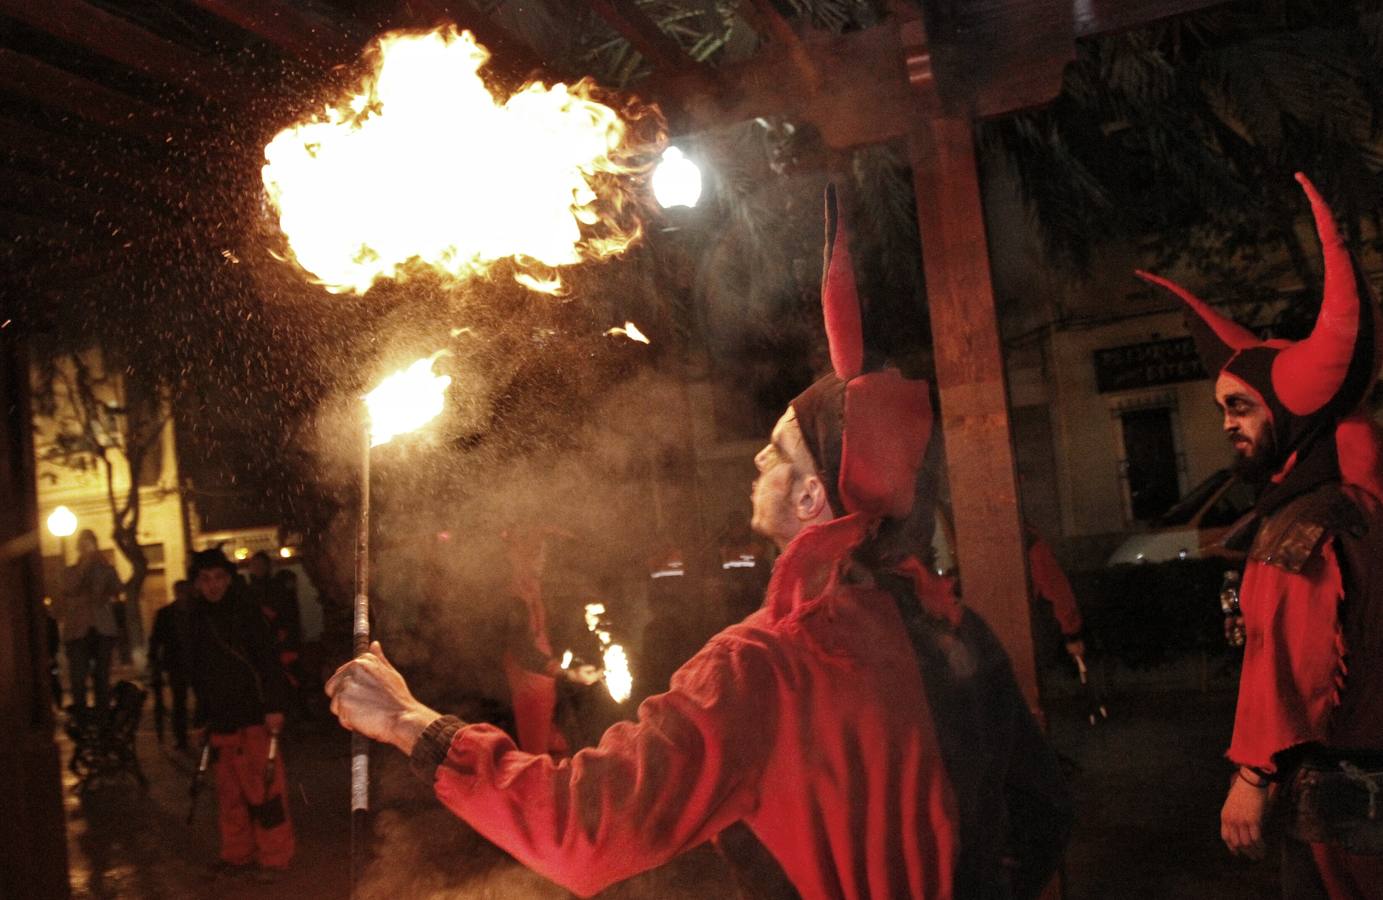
[1292, 536]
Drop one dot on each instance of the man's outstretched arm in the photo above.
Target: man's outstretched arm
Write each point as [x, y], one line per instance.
[650, 790]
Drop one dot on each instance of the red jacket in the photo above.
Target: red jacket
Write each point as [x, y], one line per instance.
[1312, 601]
[1051, 584]
[808, 721]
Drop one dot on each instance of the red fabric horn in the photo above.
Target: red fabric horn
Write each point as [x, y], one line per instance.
[1233, 336]
[888, 422]
[840, 299]
[1309, 373]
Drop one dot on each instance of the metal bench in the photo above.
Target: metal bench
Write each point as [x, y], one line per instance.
[103, 739]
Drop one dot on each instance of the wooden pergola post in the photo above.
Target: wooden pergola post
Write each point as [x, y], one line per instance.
[970, 378]
[33, 836]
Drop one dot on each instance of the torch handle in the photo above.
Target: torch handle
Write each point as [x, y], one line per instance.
[360, 745]
[271, 765]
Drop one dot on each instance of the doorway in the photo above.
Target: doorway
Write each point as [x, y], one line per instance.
[1150, 461]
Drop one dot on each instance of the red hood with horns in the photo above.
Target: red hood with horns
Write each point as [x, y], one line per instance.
[867, 433]
[1311, 385]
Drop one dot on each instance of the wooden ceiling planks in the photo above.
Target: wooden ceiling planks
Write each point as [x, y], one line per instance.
[315, 41]
[117, 39]
[57, 88]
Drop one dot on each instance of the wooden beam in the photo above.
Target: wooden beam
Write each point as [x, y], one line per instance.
[65, 158]
[33, 841]
[990, 548]
[772, 27]
[314, 40]
[644, 34]
[1012, 60]
[25, 228]
[862, 105]
[80, 23]
[108, 211]
[58, 88]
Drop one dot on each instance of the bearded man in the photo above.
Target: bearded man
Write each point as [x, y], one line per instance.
[1309, 724]
[811, 721]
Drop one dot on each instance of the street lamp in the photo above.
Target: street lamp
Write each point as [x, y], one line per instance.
[62, 524]
[676, 180]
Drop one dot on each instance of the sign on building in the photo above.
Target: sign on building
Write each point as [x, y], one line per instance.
[1145, 365]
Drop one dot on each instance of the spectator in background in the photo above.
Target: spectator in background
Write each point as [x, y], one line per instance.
[291, 648]
[529, 664]
[281, 614]
[745, 565]
[88, 619]
[675, 630]
[170, 648]
[241, 697]
[1048, 582]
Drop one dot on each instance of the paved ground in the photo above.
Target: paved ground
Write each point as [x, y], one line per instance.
[1149, 782]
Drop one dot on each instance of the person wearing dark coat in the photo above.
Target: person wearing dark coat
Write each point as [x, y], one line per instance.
[170, 649]
[241, 698]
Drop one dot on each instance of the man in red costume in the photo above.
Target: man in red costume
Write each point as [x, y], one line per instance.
[529, 664]
[1047, 581]
[810, 721]
[1309, 723]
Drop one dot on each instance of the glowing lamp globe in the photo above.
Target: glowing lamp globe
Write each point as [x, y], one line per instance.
[676, 180]
[62, 523]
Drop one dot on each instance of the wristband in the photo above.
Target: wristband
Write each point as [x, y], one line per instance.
[432, 746]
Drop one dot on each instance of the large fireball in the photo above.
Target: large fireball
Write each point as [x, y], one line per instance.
[422, 166]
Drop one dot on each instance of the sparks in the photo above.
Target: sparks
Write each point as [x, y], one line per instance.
[629, 330]
[423, 167]
[406, 400]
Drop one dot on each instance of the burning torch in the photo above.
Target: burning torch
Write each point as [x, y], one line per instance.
[403, 402]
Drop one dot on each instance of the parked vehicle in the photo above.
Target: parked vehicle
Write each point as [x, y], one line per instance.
[1194, 525]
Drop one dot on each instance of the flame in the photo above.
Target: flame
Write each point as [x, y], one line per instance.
[618, 679]
[629, 330]
[422, 165]
[406, 400]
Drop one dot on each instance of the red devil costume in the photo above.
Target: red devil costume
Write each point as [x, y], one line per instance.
[1047, 581]
[1310, 709]
[529, 666]
[810, 721]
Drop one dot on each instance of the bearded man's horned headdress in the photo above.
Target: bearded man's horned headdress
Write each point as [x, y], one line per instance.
[1309, 386]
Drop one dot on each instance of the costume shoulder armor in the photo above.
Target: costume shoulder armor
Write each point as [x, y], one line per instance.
[1290, 537]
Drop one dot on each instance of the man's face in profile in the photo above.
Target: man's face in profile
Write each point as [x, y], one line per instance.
[782, 465]
[1248, 425]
